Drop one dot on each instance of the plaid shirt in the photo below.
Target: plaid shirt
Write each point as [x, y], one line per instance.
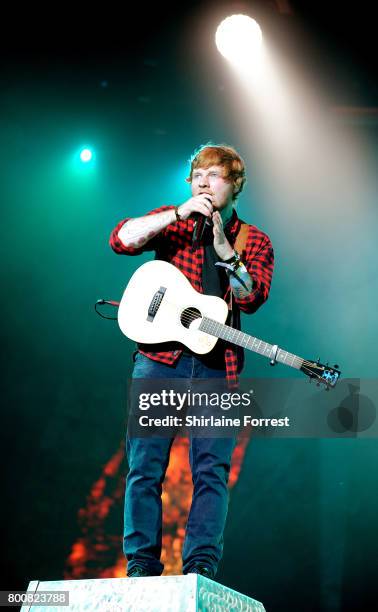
[173, 244]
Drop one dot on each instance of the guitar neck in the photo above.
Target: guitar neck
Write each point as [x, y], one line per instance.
[225, 332]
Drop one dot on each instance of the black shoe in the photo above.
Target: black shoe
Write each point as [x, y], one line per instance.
[203, 570]
[138, 572]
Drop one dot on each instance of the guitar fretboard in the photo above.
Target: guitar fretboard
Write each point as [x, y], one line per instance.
[225, 332]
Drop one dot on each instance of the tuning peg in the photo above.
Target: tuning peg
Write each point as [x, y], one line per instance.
[336, 366]
[327, 364]
[318, 360]
[318, 384]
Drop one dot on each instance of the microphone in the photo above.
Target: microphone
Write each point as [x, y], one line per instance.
[201, 221]
[198, 230]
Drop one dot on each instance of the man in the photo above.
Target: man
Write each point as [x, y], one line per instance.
[209, 260]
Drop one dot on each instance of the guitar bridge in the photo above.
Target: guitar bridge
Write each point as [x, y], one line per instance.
[155, 304]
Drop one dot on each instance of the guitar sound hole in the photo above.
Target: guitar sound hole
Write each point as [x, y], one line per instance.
[189, 315]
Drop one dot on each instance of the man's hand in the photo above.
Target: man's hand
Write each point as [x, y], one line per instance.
[221, 245]
[202, 204]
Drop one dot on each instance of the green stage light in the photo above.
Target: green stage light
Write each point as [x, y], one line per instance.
[86, 155]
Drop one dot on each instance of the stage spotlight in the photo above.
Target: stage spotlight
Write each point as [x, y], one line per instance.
[239, 39]
[86, 155]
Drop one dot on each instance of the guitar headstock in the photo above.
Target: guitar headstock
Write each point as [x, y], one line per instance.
[322, 374]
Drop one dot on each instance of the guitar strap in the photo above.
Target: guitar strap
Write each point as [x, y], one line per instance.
[241, 239]
[240, 247]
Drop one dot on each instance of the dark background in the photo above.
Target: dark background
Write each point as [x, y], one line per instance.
[144, 87]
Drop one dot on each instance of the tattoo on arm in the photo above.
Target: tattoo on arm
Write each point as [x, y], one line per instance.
[241, 283]
[136, 232]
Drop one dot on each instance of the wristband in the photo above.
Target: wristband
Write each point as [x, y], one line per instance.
[232, 260]
[231, 264]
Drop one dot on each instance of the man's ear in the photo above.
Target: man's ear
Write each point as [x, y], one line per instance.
[188, 180]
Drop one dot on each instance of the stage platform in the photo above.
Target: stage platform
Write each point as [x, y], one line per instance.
[190, 593]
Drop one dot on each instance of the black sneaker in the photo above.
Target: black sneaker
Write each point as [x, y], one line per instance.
[203, 570]
[138, 572]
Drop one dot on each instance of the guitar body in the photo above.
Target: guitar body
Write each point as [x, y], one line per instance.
[160, 305]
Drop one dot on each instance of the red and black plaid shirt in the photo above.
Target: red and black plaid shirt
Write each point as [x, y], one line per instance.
[173, 244]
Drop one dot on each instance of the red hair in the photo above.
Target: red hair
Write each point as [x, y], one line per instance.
[220, 155]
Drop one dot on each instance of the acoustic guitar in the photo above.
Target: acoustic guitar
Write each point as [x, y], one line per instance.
[160, 305]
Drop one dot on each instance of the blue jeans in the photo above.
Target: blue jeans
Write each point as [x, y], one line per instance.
[148, 458]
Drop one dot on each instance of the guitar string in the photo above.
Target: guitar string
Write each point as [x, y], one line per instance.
[298, 360]
[187, 318]
[191, 314]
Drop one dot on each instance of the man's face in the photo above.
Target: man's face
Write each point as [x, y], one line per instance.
[210, 180]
